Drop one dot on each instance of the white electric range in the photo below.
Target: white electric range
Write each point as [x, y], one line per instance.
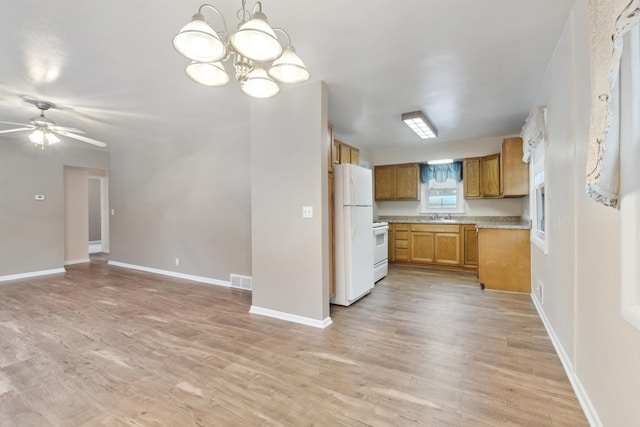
[380, 250]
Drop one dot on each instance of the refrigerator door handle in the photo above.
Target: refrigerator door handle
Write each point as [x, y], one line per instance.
[353, 190]
[353, 228]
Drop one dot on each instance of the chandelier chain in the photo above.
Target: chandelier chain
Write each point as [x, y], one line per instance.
[243, 13]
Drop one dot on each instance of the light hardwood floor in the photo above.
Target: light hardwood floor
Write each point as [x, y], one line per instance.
[105, 346]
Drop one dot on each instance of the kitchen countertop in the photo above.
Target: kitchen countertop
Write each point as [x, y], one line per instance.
[507, 222]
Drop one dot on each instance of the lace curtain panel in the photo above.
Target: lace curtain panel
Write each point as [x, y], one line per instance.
[533, 132]
[609, 20]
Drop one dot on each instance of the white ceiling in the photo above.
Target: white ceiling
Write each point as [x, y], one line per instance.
[109, 67]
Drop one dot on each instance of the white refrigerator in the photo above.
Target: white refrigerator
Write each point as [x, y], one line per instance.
[353, 233]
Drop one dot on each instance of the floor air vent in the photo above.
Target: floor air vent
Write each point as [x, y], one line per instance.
[241, 282]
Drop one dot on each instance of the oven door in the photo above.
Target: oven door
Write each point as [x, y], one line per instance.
[381, 244]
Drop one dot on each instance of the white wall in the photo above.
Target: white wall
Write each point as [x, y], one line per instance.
[556, 271]
[425, 151]
[32, 233]
[289, 171]
[487, 207]
[187, 198]
[581, 273]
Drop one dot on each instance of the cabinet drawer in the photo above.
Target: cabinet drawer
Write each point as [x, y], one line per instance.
[436, 228]
[402, 244]
[401, 227]
[402, 235]
[402, 254]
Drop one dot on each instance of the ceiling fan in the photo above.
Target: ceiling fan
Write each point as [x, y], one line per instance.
[45, 129]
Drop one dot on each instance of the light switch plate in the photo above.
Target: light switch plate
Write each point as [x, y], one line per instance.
[307, 212]
[39, 197]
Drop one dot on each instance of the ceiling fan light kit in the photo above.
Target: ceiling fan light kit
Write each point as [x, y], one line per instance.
[252, 45]
[45, 131]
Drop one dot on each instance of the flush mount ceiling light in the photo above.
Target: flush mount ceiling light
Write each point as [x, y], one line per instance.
[420, 125]
[440, 162]
[252, 45]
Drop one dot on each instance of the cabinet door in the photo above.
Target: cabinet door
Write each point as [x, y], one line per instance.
[515, 172]
[471, 178]
[470, 252]
[391, 243]
[490, 176]
[447, 248]
[385, 180]
[422, 246]
[355, 156]
[345, 153]
[407, 181]
[332, 240]
[504, 259]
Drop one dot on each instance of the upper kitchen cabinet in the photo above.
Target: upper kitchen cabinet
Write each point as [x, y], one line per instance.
[385, 182]
[346, 153]
[397, 182]
[515, 172]
[481, 177]
[471, 178]
[497, 175]
[490, 176]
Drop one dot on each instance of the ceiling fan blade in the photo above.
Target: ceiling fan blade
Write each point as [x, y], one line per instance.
[80, 138]
[18, 124]
[65, 129]
[14, 130]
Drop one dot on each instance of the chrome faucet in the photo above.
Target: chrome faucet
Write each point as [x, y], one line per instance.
[434, 216]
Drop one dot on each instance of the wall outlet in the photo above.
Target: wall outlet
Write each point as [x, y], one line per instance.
[177, 261]
[307, 212]
[539, 291]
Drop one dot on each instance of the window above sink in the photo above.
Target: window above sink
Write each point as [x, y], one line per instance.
[442, 198]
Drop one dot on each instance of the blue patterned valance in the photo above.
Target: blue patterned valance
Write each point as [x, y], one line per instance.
[440, 173]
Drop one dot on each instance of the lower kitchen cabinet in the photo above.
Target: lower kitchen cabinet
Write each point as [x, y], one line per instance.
[435, 244]
[422, 247]
[401, 242]
[391, 242]
[447, 246]
[500, 255]
[470, 246]
[504, 259]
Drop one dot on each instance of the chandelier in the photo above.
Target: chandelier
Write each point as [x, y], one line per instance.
[252, 45]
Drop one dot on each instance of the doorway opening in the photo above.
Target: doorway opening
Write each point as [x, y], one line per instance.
[86, 214]
[98, 205]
